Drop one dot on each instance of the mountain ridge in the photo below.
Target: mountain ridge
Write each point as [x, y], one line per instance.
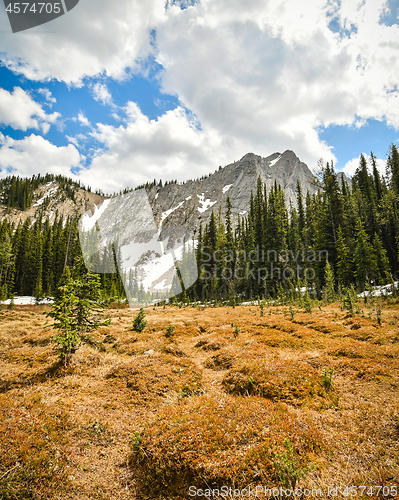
[188, 203]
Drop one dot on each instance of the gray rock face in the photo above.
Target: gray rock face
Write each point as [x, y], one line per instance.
[192, 202]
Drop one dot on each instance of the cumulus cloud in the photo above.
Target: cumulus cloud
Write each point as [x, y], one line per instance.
[96, 37]
[275, 71]
[19, 111]
[170, 147]
[259, 76]
[83, 119]
[48, 96]
[33, 155]
[101, 93]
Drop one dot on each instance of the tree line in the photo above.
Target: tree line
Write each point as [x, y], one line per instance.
[346, 233]
[17, 192]
[34, 257]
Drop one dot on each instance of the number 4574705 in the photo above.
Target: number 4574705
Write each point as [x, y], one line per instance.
[35, 8]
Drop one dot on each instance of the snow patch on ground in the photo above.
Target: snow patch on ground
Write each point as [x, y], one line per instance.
[380, 290]
[26, 300]
[226, 188]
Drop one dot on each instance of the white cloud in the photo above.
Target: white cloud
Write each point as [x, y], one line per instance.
[83, 119]
[35, 154]
[19, 111]
[101, 93]
[77, 140]
[351, 166]
[96, 37]
[261, 76]
[273, 71]
[170, 147]
[48, 96]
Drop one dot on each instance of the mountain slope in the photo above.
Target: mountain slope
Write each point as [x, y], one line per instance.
[52, 198]
[193, 202]
[149, 225]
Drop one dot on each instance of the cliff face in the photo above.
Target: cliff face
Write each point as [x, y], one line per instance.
[192, 202]
[188, 203]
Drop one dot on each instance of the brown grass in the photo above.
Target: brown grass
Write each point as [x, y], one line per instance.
[140, 415]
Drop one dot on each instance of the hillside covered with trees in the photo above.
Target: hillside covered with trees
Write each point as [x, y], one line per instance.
[273, 250]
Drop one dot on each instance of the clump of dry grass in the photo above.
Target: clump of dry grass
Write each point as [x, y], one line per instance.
[294, 382]
[208, 345]
[33, 450]
[151, 377]
[213, 441]
[213, 437]
[221, 361]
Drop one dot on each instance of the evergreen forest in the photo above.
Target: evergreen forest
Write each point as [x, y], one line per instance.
[345, 235]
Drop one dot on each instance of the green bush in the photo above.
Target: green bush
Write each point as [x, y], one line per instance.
[288, 468]
[327, 379]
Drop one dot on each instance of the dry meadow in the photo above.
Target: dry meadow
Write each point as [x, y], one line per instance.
[147, 415]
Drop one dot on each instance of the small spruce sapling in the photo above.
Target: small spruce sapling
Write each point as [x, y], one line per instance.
[139, 323]
[169, 330]
[327, 379]
[288, 468]
[77, 311]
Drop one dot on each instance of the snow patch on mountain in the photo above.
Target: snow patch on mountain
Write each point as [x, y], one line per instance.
[88, 222]
[168, 212]
[205, 203]
[47, 195]
[273, 162]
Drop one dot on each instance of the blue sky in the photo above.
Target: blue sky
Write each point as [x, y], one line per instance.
[148, 91]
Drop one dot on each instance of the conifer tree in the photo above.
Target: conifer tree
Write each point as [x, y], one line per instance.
[77, 310]
[393, 168]
[329, 286]
[344, 267]
[364, 259]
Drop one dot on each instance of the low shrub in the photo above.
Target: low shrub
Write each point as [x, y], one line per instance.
[139, 323]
